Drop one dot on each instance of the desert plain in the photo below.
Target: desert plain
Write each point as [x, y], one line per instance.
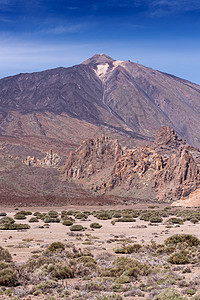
[137, 251]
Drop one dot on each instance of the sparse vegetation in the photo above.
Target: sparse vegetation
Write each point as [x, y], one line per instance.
[95, 225]
[76, 228]
[133, 269]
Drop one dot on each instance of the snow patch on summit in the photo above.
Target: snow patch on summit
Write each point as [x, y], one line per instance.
[102, 69]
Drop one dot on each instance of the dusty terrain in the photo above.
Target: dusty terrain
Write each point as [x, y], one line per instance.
[101, 244]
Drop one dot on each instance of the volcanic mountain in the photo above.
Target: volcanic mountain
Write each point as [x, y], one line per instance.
[58, 108]
[122, 97]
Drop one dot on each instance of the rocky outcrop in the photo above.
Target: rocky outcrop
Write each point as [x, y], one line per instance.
[132, 169]
[193, 200]
[166, 136]
[92, 156]
[50, 160]
[179, 177]
[105, 167]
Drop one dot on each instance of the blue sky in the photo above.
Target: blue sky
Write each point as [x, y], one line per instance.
[41, 34]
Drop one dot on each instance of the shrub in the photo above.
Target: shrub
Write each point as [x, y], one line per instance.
[33, 219]
[67, 222]
[56, 246]
[179, 258]
[127, 266]
[104, 215]
[7, 275]
[190, 292]
[145, 216]
[189, 239]
[38, 215]
[93, 286]
[7, 220]
[60, 271]
[128, 249]
[47, 284]
[3, 214]
[95, 225]
[169, 294]
[123, 279]
[175, 221]
[53, 214]
[156, 219]
[125, 219]
[86, 259]
[76, 228]
[194, 220]
[5, 255]
[80, 215]
[51, 220]
[117, 215]
[19, 216]
[14, 226]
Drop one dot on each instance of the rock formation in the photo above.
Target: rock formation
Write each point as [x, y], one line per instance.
[166, 136]
[167, 169]
[179, 177]
[50, 160]
[92, 156]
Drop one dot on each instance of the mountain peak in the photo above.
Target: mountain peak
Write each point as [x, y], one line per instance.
[99, 59]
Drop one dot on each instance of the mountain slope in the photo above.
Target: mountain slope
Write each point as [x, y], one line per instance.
[120, 96]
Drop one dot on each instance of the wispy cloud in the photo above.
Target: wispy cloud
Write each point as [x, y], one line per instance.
[64, 29]
[160, 7]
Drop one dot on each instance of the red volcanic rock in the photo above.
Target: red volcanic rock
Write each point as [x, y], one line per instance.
[166, 136]
[132, 168]
[104, 166]
[179, 177]
[92, 156]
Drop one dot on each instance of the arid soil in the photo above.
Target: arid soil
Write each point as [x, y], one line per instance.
[102, 245]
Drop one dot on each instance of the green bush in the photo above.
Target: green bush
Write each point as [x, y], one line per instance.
[46, 285]
[67, 222]
[128, 249]
[33, 219]
[76, 228]
[3, 214]
[175, 221]
[38, 215]
[156, 219]
[123, 279]
[188, 239]
[8, 277]
[125, 219]
[14, 226]
[95, 225]
[86, 259]
[7, 220]
[19, 216]
[5, 255]
[53, 214]
[145, 216]
[190, 292]
[104, 215]
[51, 220]
[80, 215]
[56, 246]
[127, 266]
[179, 258]
[169, 294]
[60, 271]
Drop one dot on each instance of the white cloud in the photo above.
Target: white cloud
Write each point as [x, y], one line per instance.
[62, 29]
